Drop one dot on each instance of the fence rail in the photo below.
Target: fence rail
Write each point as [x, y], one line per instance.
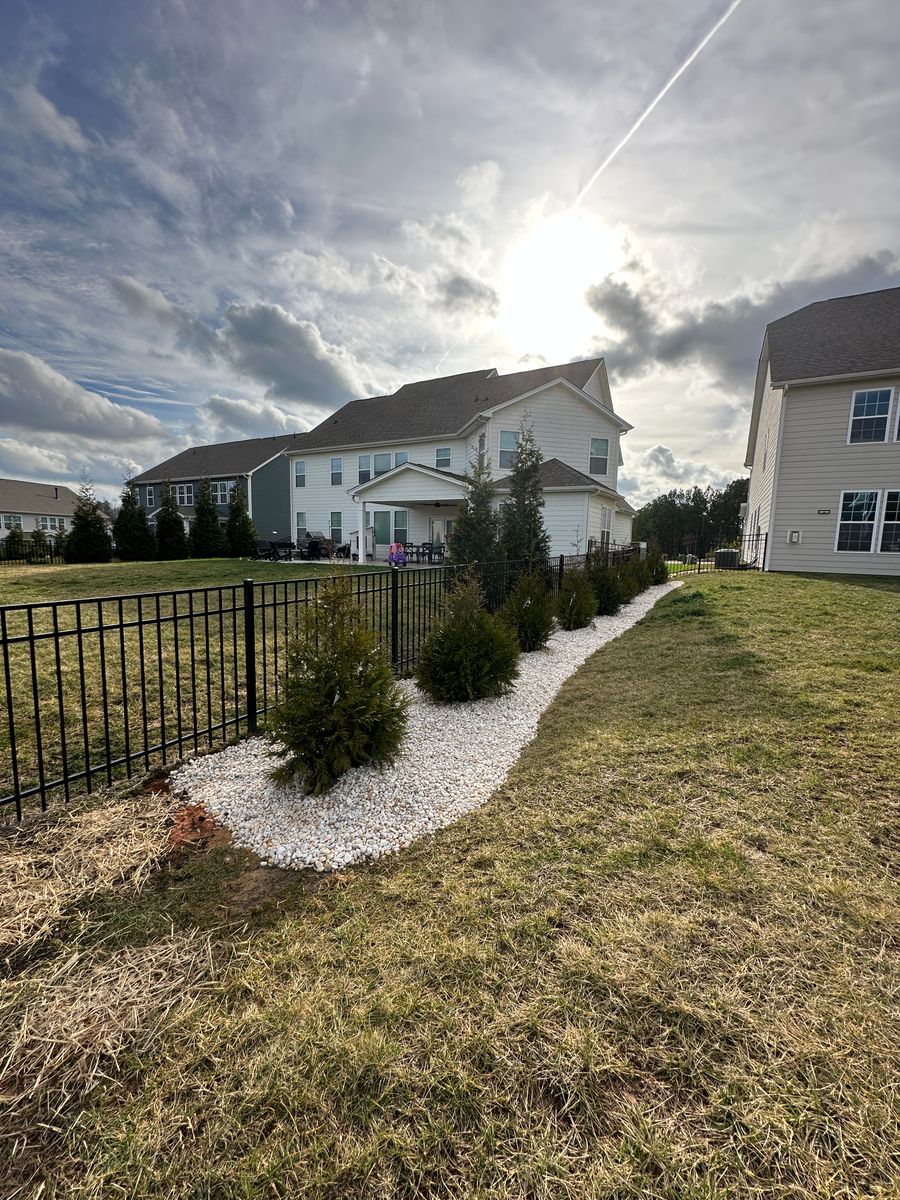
[694, 555]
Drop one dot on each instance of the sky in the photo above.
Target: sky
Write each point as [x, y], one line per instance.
[225, 220]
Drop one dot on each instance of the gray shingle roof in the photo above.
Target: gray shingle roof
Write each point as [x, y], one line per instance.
[554, 473]
[222, 459]
[435, 407]
[45, 499]
[849, 335]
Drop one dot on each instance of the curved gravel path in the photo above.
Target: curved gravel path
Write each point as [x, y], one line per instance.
[454, 757]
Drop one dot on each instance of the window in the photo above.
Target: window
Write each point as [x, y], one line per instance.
[401, 525]
[337, 471]
[606, 518]
[299, 472]
[365, 468]
[482, 448]
[301, 524]
[337, 521]
[400, 458]
[184, 494]
[509, 442]
[151, 496]
[382, 522]
[599, 464]
[869, 415]
[382, 463]
[443, 458]
[51, 524]
[856, 523]
[221, 490]
[12, 521]
[890, 529]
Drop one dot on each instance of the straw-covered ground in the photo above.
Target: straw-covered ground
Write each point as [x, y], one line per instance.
[660, 962]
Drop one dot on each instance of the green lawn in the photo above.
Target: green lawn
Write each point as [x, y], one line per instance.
[31, 585]
[660, 963]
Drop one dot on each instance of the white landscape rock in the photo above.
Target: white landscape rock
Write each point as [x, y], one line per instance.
[453, 758]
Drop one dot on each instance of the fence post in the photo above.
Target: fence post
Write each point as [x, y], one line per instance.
[395, 615]
[562, 568]
[250, 654]
[762, 565]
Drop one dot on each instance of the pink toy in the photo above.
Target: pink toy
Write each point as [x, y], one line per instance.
[397, 555]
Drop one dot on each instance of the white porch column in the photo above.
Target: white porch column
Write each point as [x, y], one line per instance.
[361, 537]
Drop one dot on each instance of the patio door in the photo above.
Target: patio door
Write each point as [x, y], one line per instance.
[382, 523]
[440, 529]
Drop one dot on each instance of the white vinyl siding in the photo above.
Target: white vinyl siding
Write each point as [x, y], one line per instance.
[762, 476]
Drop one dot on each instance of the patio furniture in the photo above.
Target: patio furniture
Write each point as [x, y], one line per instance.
[412, 554]
[282, 550]
[437, 553]
[264, 550]
[425, 550]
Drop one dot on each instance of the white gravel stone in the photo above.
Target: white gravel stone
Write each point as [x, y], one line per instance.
[453, 758]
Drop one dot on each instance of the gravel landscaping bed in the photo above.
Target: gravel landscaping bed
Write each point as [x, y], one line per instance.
[453, 758]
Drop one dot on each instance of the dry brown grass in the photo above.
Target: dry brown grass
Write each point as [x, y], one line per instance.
[50, 863]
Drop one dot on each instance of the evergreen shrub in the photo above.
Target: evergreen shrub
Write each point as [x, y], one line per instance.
[470, 653]
[607, 588]
[529, 612]
[341, 706]
[576, 604]
[657, 566]
[88, 539]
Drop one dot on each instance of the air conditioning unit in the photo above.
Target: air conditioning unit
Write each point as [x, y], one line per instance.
[794, 537]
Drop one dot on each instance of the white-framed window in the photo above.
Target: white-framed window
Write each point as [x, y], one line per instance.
[599, 457]
[221, 490]
[482, 448]
[443, 458]
[401, 525]
[299, 472]
[606, 518]
[400, 457]
[12, 521]
[365, 468]
[856, 521]
[51, 524]
[890, 524]
[301, 524]
[870, 410]
[382, 463]
[509, 444]
[337, 471]
[337, 523]
[184, 494]
[151, 496]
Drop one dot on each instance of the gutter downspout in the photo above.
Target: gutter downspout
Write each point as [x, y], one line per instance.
[770, 541]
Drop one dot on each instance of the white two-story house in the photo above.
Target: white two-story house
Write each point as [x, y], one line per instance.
[824, 444]
[397, 463]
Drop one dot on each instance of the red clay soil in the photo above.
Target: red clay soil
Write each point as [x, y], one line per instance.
[194, 829]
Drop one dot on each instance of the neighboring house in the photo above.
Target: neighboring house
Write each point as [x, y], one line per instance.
[30, 506]
[257, 466]
[824, 445]
[397, 463]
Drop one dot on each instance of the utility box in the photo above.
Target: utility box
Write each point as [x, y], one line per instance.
[794, 537]
[727, 560]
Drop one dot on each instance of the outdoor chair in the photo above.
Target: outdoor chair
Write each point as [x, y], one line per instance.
[264, 550]
[437, 553]
[282, 550]
[425, 552]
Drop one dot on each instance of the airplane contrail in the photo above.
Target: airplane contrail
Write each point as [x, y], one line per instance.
[653, 103]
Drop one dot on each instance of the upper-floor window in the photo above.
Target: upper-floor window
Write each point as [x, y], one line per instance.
[299, 472]
[443, 458]
[184, 494]
[599, 464]
[890, 527]
[482, 448]
[869, 414]
[509, 443]
[337, 470]
[382, 463]
[400, 457]
[856, 522]
[221, 490]
[51, 524]
[365, 468]
[151, 495]
[12, 521]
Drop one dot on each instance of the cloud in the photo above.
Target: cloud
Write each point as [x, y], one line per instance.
[35, 396]
[460, 293]
[266, 343]
[45, 118]
[146, 302]
[325, 269]
[479, 184]
[19, 460]
[722, 336]
[228, 419]
[658, 470]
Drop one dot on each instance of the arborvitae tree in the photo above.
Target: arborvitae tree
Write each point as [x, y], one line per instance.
[39, 546]
[475, 529]
[240, 532]
[207, 536]
[340, 706]
[131, 530]
[522, 531]
[576, 604]
[171, 540]
[14, 544]
[529, 612]
[88, 540]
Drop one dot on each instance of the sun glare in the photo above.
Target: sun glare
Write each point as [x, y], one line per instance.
[545, 276]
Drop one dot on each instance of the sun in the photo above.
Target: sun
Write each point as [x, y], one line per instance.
[545, 275]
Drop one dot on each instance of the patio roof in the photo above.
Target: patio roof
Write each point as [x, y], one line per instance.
[438, 486]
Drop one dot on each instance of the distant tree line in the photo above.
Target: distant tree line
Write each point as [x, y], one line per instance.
[692, 515]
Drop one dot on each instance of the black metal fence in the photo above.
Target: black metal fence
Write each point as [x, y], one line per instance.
[692, 556]
[31, 555]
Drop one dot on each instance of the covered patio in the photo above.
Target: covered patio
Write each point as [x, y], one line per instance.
[429, 498]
